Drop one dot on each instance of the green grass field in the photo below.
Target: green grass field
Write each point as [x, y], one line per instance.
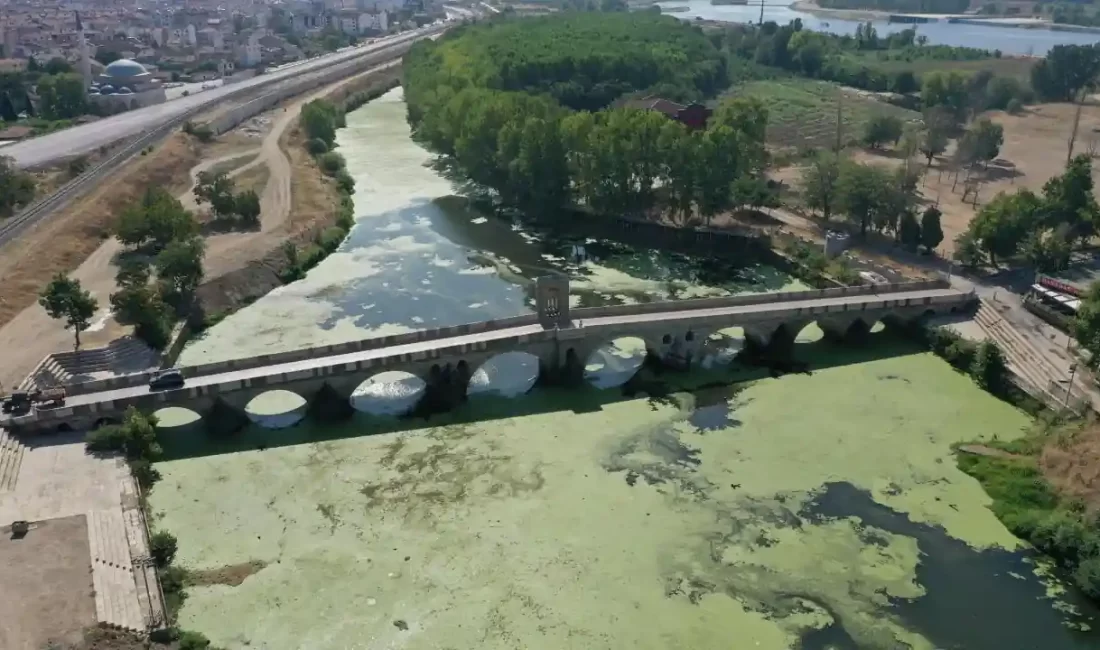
[802, 112]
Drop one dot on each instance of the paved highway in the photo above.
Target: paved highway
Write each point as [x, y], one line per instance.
[647, 319]
[88, 137]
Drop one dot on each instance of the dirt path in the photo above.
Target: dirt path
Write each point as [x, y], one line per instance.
[31, 335]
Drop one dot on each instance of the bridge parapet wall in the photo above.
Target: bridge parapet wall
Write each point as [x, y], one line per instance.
[129, 381]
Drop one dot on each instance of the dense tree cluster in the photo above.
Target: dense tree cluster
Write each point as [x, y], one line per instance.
[160, 273]
[233, 208]
[582, 61]
[1066, 71]
[496, 103]
[1041, 227]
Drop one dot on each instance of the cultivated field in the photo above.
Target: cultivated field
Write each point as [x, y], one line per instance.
[802, 113]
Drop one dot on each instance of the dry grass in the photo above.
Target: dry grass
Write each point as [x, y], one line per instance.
[314, 198]
[1072, 465]
[253, 179]
[66, 239]
[45, 584]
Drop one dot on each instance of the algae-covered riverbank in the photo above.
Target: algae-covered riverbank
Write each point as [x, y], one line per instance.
[810, 507]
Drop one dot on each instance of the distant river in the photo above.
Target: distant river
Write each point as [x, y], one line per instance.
[1009, 40]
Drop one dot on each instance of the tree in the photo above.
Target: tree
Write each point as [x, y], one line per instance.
[163, 547]
[319, 119]
[16, 187]
[65, 299]
[1048, 250]
[881, 129]
[1002, 224]
[989, 368]
[154, 222]
[933, 142]
[931, 233]
[7, 108]
[982, 141]
[947, 89]
[1069, 200]
[217, 190]
[179, 266]
[62, 96]
[248, 207]
[1065, 72]
[909, 230]
[138, 303]
[1086, 325]
[967, 250]
[57, 65]
[862, 193]
[819, 182]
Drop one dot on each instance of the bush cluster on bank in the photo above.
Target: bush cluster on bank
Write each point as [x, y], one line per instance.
[319, 121]
[1029, 507]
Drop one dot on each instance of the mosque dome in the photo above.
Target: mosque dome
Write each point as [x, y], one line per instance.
[106, 89]
[125, 68]
[124, 91]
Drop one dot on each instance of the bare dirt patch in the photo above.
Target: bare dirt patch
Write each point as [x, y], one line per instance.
[101, 638]
[46, 588]
[232, 575]
[254, 178]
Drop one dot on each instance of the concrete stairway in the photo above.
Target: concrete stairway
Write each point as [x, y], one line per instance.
[116, 598]
[11, 459]
[145, 571]
[1024, 359]
[125, 355]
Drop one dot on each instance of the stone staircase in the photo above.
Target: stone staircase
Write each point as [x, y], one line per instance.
[1024, 359]
[149, 594]
[11, 459]
[116, 594]
[124, 355]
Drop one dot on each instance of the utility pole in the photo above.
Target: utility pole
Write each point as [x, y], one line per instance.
[1076, 122]
[761, 13]
[1069, 386]
[839, 122]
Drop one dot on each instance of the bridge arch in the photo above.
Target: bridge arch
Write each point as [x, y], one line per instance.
[614, 362]
[276, 409]
[177, 419]
[390, 392]
[508, 374]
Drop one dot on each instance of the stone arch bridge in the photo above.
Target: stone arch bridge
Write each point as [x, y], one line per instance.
[674, 331]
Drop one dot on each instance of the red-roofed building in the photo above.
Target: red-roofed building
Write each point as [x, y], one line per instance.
[693, 116]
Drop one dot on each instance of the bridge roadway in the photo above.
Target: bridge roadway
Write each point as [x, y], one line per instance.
[78, 140]
[660, 324]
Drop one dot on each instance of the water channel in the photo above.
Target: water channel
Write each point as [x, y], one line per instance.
[813, 511]
[1010, 40]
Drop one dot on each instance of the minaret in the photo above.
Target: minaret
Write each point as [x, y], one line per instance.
[85, 60]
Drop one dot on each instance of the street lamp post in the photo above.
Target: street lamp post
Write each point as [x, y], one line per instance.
[1069, 386]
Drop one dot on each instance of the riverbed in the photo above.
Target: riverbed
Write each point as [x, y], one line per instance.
[819, 510]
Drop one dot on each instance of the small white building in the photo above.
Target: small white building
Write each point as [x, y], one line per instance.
[373, 22]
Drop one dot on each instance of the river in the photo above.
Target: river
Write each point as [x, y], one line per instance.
[812, 511]
[1010, 40]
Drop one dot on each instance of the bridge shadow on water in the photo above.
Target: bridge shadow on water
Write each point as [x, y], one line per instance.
[651, 383]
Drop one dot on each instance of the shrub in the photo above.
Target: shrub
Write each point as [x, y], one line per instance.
[193, 641]
[162, 546]
[345, 182]
[1014, 107]
[317, 146]
[1087, 577]
[331, 163]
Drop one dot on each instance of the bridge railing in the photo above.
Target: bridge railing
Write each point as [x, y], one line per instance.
[419, 336]
[756, 299]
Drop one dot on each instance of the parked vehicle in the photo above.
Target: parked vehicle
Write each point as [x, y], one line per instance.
[21, 402]
[167, 379]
